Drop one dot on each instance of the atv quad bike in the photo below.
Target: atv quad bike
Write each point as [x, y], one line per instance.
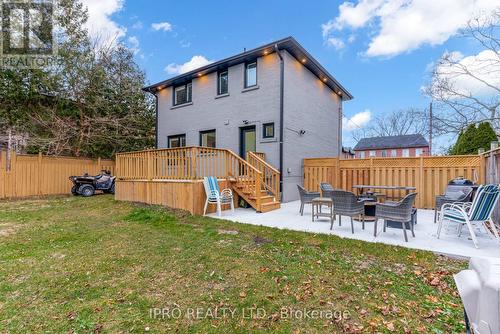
[87, 185]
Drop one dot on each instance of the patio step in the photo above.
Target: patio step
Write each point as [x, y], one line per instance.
[266, 207]
[246, 191]
[264, 199]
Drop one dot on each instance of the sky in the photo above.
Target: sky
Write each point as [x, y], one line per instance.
[379, 50]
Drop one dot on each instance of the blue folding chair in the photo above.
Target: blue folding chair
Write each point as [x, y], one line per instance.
[215, 196]
[477, 212]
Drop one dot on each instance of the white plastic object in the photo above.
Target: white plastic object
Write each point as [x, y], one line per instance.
[479, 288]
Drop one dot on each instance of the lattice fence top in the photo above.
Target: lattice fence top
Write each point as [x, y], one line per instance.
[453, 161]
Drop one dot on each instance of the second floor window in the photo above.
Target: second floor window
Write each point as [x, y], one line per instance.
[183, 94]
[361, 155]
[222, 83]
[419, 152]
[406, 153]
[251, 74]
[384, 153]
[373, 154]
[207, 138]
[394, 153]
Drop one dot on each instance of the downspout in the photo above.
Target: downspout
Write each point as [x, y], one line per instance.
[156, 116]
[282, 114]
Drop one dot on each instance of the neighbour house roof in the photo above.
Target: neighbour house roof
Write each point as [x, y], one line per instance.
[347, 150]
[405, 141]
[289, 44]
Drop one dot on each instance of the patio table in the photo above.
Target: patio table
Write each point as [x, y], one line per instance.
[317, 203]
[361, 188]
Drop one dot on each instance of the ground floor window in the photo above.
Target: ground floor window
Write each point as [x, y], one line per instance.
[207, 138]
[177, 141]
[268, 130]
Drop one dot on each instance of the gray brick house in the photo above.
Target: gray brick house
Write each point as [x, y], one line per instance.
[276, 99]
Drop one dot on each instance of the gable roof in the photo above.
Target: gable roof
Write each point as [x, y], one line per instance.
[405, 141]
[288, 43]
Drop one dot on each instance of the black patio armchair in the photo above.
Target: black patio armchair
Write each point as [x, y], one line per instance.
[396, 211]
[326, 189]
[306, 197]
[346, 203]
[453, 194]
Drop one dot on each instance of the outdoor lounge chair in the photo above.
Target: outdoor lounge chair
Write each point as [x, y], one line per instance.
[477, 212]
[396, 211]
[306, 197]
[453, 194]
[346, 203]
[215, 196]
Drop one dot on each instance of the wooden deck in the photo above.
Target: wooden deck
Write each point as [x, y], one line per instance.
[173, 177]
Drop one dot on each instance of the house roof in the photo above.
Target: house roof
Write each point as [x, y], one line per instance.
[289, 44]
[405, 141]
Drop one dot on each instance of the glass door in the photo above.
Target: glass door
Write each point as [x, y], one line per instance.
[247, 140]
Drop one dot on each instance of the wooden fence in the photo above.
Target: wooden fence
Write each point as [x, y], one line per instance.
[37, 175]
[429, 175]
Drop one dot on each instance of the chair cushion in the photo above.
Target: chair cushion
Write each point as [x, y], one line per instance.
[454, 215]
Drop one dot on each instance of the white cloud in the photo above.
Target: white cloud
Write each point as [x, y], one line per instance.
[165, 26]
[134, 44]
[404, 25]
[336, 43]
[137, 25]
[358, 121]
[100, 24]
[195, 62]
[485, 70]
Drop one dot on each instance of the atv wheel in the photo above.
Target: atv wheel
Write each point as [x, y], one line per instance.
[74, 190]
[86, 190]
[112, 189]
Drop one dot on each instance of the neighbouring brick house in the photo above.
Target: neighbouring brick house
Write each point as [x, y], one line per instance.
[392, 147]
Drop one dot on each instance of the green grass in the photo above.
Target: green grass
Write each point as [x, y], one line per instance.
[87, 265]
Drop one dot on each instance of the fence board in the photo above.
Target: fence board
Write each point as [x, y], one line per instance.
[37, 175]
[429, 175]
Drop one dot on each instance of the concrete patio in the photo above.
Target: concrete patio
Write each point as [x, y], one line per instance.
[288, 217]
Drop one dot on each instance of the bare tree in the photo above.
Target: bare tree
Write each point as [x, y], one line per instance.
[466, 90]
[397, 123]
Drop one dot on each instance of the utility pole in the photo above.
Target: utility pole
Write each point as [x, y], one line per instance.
[430, 128]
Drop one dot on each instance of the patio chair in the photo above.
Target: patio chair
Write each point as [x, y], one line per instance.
[477, 212]
[346, 203]
[306, 197]
[215, 196]
[326, 189]
[396, 211]
[453, 194]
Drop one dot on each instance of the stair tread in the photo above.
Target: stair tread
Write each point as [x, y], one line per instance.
[270, 203]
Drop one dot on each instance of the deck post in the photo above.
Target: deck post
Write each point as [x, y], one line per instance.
[194, 166]
[258, 194]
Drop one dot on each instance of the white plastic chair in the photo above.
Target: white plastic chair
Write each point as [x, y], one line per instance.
[215, 196]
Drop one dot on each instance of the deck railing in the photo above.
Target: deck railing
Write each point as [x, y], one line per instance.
[270, 175]
[189, 163]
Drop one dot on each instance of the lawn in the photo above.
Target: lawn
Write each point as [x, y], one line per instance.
[91, 265]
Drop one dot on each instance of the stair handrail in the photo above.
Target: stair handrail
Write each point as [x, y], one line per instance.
[270, 175]
[244, 165]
